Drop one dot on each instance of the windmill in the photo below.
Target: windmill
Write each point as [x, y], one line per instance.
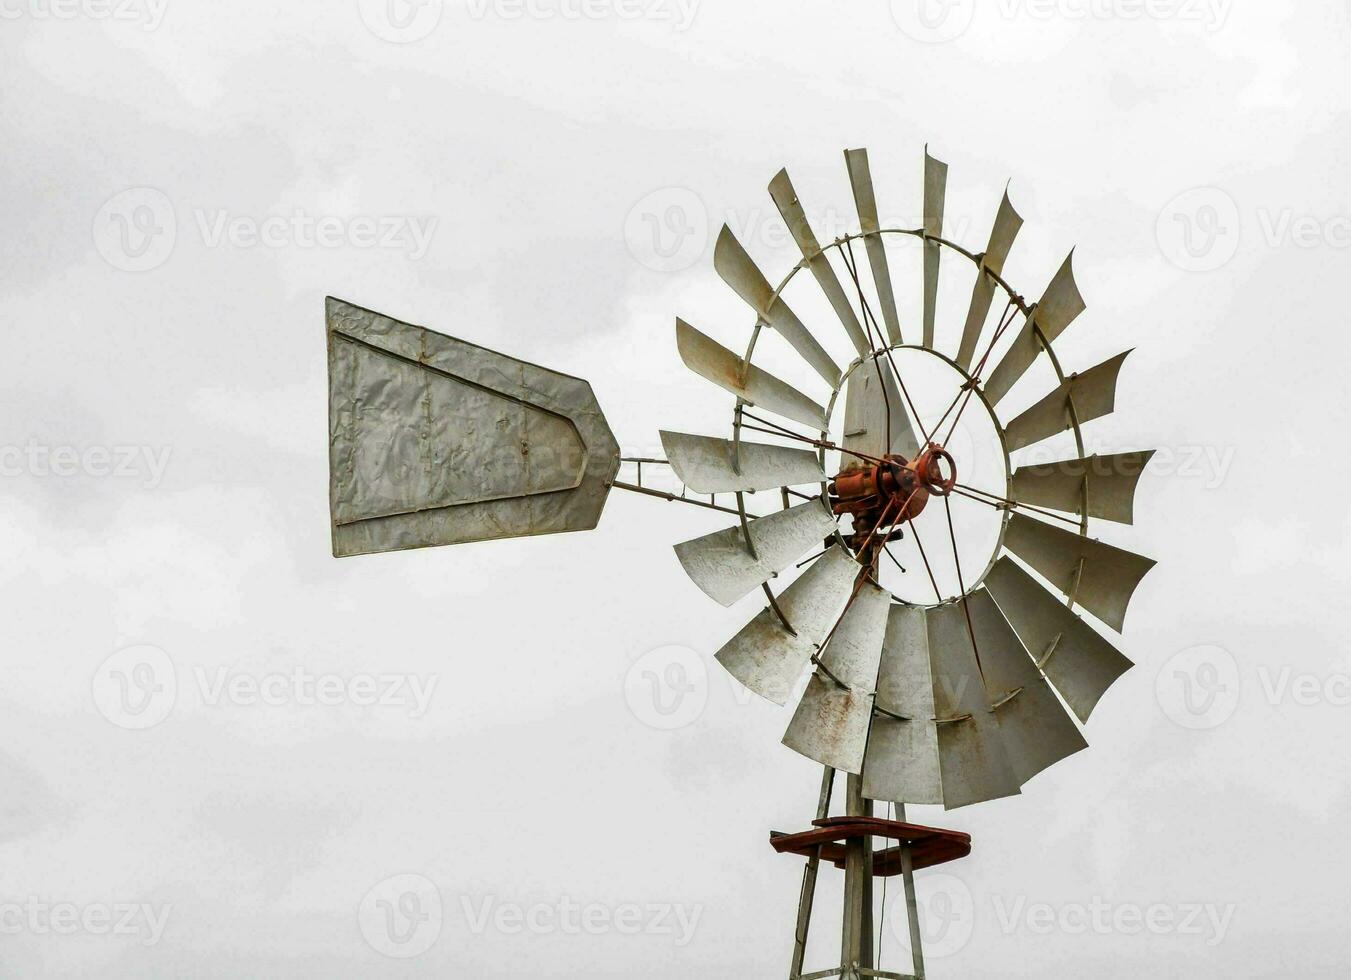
[955, 697]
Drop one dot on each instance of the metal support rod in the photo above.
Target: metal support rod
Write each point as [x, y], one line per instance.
[856, 947]
[911, 906]
[808, 894]
[676, 497]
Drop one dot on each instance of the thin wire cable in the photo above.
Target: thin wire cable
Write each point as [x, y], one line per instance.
[1005, 321]
[780, 430]
[868, 324]
[882, 920]
[899, 380]
[927, 567]
[957, 561]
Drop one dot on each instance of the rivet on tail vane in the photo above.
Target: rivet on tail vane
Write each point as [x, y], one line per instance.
[436, 441]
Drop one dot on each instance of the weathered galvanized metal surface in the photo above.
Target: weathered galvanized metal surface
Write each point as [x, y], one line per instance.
[872, 402]
[710, 360]
[1060, 485]
[768, 659]
[721, 565]
[436, 441]
[971, 756]
[786, 200]
[739, 271]
[831, 722]
[1058, 307]
[1034, 726]
[1006, 224]
[865, 202]
[707, 464]
[902, 758]
[1078, 660]
[1094, 395]
[935, 197]
[1099, 577]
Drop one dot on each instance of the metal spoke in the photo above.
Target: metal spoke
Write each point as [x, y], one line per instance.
[779, 430]
[961, 584]
[1004, 503]
[927, 567]
[1005, 321]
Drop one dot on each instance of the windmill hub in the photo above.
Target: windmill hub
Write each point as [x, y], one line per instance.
[884, 495]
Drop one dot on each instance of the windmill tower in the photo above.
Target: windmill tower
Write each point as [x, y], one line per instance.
[955, 687]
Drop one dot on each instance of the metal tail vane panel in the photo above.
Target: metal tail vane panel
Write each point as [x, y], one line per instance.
[435, 441]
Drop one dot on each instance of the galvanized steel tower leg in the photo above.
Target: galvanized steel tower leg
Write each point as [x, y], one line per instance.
[911, 907]
[857, 944]
[808, 895]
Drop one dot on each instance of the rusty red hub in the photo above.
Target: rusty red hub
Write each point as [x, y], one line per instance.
[884, 495]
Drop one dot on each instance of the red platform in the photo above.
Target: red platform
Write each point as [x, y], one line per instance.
[928, 845]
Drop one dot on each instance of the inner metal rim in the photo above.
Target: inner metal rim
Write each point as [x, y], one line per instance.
[977, 389]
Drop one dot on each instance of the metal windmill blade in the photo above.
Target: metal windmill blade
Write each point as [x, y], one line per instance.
[954, 701]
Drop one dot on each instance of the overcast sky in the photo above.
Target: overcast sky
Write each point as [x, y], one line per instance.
[194, 778]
